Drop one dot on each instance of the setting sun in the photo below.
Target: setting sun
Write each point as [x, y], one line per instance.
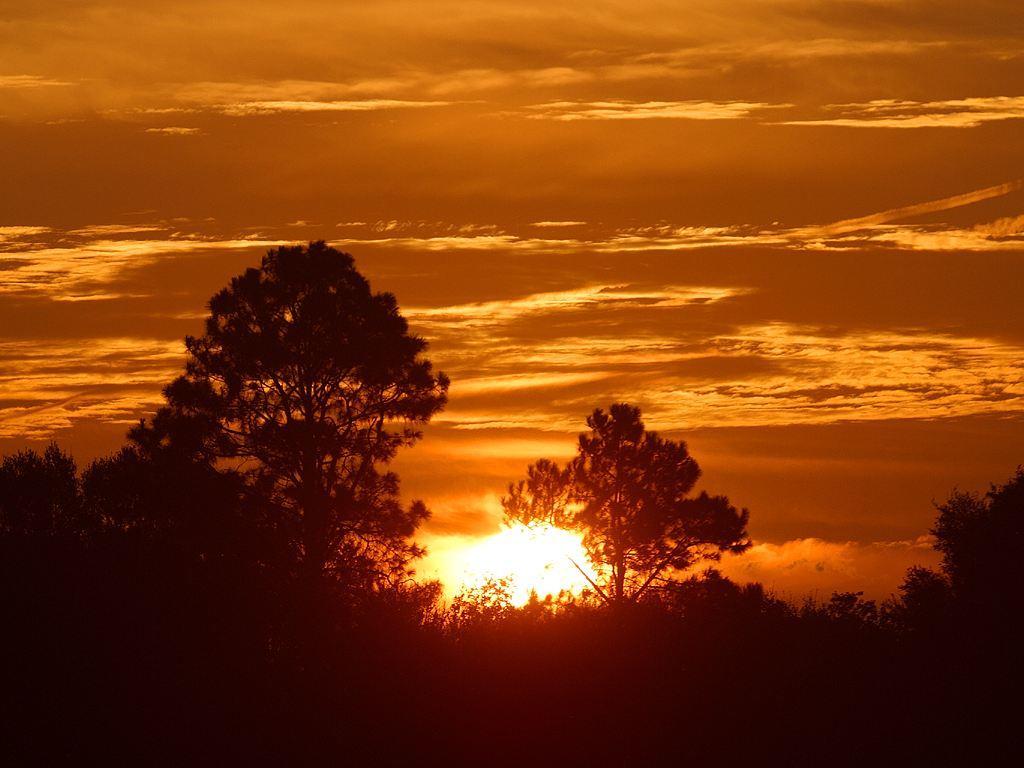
[536, 558]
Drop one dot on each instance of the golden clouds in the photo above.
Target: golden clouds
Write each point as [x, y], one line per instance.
[797, 567]
[517, 381]
[359, 105]
[895, 113]
[86, 270]
[12, 233]
[30, 81]
[796, 376]
[46, 386]
[848, 376]
[175, 130]
[581, 299]
[915, 209]
[567, 111]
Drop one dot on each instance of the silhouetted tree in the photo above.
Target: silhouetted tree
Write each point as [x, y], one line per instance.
[924, 603]
[979, 540]
[627, 491]
[40, 495]
[316, 382]
[163, 488]
[980, 580]
[852, 608]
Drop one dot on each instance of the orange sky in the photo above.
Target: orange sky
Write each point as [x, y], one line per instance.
[791, 230]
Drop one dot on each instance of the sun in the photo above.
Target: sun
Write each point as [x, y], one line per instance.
[536, 558]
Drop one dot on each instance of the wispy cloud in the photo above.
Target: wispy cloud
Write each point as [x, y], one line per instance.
[12, 233]
[522, 381]
[84, 271]
[868, 231]
[631, 239]
[580, 299]
[825, 378]
[174, 130]
[357, 105]
[915, 209]
[31, 81]
[951, 113]
[46, 386]
[788, 50]
[646, 110]
[996, 236]
[803, 376]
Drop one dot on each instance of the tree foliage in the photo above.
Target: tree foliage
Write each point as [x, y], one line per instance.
[980, 577]
[311, 382]
[628, 491]
[40, 495]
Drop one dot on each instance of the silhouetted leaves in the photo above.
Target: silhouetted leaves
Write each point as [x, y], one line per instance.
[314, 383]
[628, 490]
[39, 496]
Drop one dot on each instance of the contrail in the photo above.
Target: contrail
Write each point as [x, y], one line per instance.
[905, 212]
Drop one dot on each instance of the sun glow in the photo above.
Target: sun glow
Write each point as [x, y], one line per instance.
[535, 558]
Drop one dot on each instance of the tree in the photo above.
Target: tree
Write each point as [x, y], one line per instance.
[311, 383]
[40, 495]
[163, 489]
[924, 602]
[979, 537]
[979, 582]
[627, 490]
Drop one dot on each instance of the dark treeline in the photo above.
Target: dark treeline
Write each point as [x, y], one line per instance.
[236, 586]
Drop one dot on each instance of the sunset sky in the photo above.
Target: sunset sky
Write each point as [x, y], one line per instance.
[792, 231]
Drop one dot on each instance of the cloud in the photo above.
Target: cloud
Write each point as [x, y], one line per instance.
[520, 381]
[825, 378]
[361, 105]
[951, 113]
[790, 49]
[1006, 227]
[30, 81]
[631, 239]
[49, 385]
[99, 231]
[586, 298]
[537, 359]
[259, 97]
[175, 130]
[846, 235]
[910, 211]
[387, 85]
[869, 231]
[485, 79]
[814, 567]
[646, 110]
[84, 271]
[877, 230]
[756, 375]
[983, 237]
[12, 233]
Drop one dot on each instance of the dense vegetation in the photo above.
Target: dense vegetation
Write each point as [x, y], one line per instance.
[235, 586]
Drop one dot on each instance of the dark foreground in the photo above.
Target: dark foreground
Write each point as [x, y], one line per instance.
[124, 653]
[151, 618]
